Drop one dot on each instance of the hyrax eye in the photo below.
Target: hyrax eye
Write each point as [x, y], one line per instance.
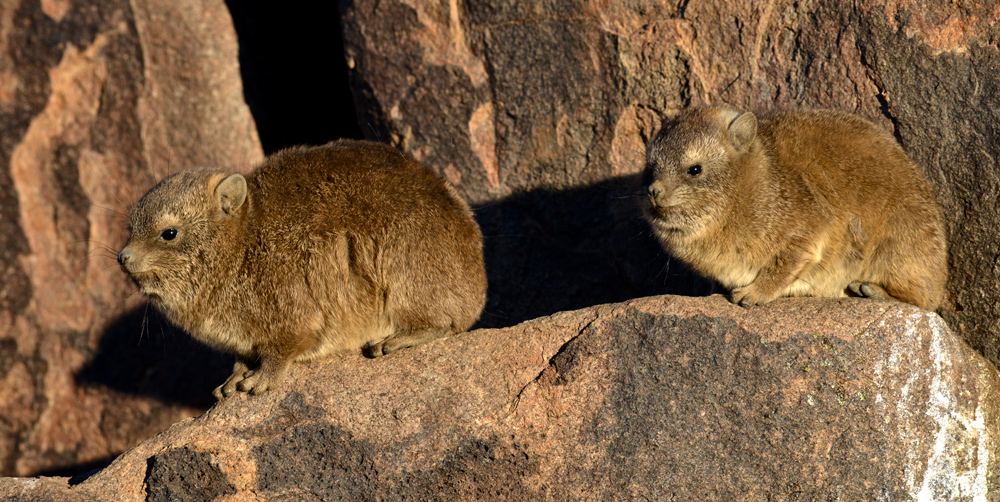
[169, 234]
[694, 170]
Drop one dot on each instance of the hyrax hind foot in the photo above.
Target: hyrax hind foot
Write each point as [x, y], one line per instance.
[750, 296]
[402, 340]
[869, 290]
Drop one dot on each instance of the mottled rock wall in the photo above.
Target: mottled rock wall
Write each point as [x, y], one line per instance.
[660, 398]
[98, 100]
[539, 111]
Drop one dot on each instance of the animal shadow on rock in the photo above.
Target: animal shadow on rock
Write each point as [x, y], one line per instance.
[78, 473]
[546, 251]
[549, 251]
[143, 354]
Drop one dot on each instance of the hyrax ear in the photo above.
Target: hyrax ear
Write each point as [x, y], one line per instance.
[743, 130]
[231, 193]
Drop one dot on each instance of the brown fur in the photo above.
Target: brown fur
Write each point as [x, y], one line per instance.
[318, 250]
[810, 203]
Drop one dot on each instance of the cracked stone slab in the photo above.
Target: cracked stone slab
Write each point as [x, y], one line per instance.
[656, 398]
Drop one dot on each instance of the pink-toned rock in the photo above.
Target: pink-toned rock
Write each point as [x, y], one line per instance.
[660, 398]
[574, 89]
[98, 100]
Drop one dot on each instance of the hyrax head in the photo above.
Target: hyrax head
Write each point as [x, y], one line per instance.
[693, 165]
[174, 229]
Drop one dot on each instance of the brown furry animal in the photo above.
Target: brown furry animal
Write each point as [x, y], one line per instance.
[810, 203]
[345, 246]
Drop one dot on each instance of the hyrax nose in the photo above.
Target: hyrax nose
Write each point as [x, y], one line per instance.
[655, 191]
[124, 256]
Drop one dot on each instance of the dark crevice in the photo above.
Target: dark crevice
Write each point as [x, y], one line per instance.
[883, 105]
[682, 6]
[883, 102]
[295, 77]
[552, 364]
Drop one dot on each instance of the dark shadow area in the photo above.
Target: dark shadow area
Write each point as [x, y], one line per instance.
[78, 473]
[294, 74]
[549, 251]
[143, 354]
[546, 251]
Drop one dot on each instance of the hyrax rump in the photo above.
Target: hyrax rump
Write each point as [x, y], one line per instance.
[340, 247]
[807, 203]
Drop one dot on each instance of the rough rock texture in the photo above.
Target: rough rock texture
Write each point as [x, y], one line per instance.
[539, 111]
[98, 100]
[660, 398]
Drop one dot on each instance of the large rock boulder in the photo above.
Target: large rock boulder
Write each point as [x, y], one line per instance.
[660, 398]
[98, 100]
[539, 112]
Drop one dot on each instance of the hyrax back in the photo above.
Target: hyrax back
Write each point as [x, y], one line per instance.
[809, 203]
[345, 246]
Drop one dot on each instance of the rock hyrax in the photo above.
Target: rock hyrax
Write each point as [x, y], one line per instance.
[340, 247]
[806, 203]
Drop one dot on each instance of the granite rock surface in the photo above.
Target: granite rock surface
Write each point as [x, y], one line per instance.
[659, 398]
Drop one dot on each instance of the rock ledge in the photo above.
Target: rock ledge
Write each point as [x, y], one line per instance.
[659, 398]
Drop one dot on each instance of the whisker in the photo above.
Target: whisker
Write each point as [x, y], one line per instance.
[163, 337]
[488, 204]
[115, 211]
[145, 318]
[98, 253]
[105, 269]
[374, 132]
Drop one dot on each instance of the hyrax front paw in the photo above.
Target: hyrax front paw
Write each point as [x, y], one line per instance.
[240, 371]
[750, 296]
[228, 387]
[258, 382]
